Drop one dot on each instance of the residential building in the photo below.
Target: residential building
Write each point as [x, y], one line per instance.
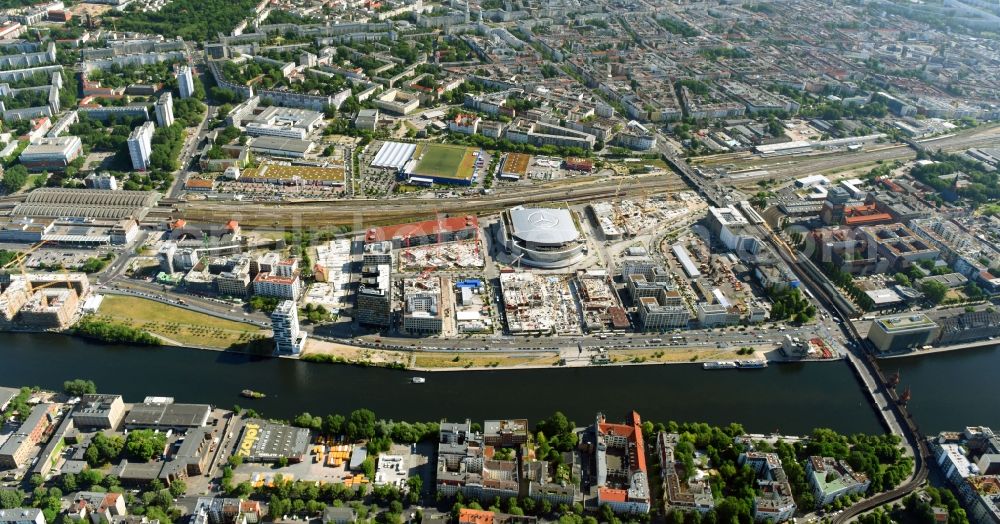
[831, 479]
[18, 448]
[140, 146]
[222, 510]
[505, 433]
[339, 515]
[681, 490]
[775, 503]
[21, 516]
[619, 460]
[288, 339]
[185, 81]
[165, 110]
[281, 282]
[97, 507]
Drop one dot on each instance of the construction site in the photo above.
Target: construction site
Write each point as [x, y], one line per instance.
[40, 300]
[628, 218]
[332, 271]
[472, 306]
[536, 304]
[600, 309]
[442, 257]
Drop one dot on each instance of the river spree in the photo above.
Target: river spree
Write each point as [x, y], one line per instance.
[791, 398]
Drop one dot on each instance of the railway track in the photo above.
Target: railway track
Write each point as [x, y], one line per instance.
[364, 213]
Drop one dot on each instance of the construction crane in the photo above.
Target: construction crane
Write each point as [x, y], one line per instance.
[19, 259]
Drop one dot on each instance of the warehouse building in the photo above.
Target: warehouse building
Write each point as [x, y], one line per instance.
[281, 146]
[163, 413]
[99, 411]
[264, 441]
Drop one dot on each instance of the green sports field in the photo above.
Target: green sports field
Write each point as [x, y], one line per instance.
[445, 161]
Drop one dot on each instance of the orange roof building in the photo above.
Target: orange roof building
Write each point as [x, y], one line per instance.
[621, 447]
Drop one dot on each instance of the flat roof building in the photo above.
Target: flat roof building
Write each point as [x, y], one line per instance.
[902, 332]
[264, 441]
[22, 516]
[164, 413]
[99, 411]
[51, 153]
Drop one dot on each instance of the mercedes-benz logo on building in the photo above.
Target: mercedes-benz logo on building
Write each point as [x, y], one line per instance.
[543, 220]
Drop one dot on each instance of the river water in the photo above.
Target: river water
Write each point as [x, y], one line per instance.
[950, 390]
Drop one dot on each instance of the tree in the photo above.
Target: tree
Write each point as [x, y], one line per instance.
[14, 178]
[102, 449]
[79, 387]
[178, 488]
[361, 424]
[11, 498]
[333, 425]
[144, 444]
[934, 290]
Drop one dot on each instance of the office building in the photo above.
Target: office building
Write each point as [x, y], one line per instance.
[165, 110]
[374, 299]
[99, 411]
[185, 81]
[162, 413]
[140, 146]
[656, 315]
[902, 332]
[50, 308]
[51, 154]
[288, 339]
[422, 298]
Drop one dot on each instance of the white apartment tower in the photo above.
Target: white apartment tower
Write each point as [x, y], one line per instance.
[140, 145]
[185, 81]
[165, 110]
[288, 340]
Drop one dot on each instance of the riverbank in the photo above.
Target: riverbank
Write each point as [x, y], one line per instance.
[792, 398]
[979, 344]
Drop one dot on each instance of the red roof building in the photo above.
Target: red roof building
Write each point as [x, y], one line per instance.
[428, 232]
